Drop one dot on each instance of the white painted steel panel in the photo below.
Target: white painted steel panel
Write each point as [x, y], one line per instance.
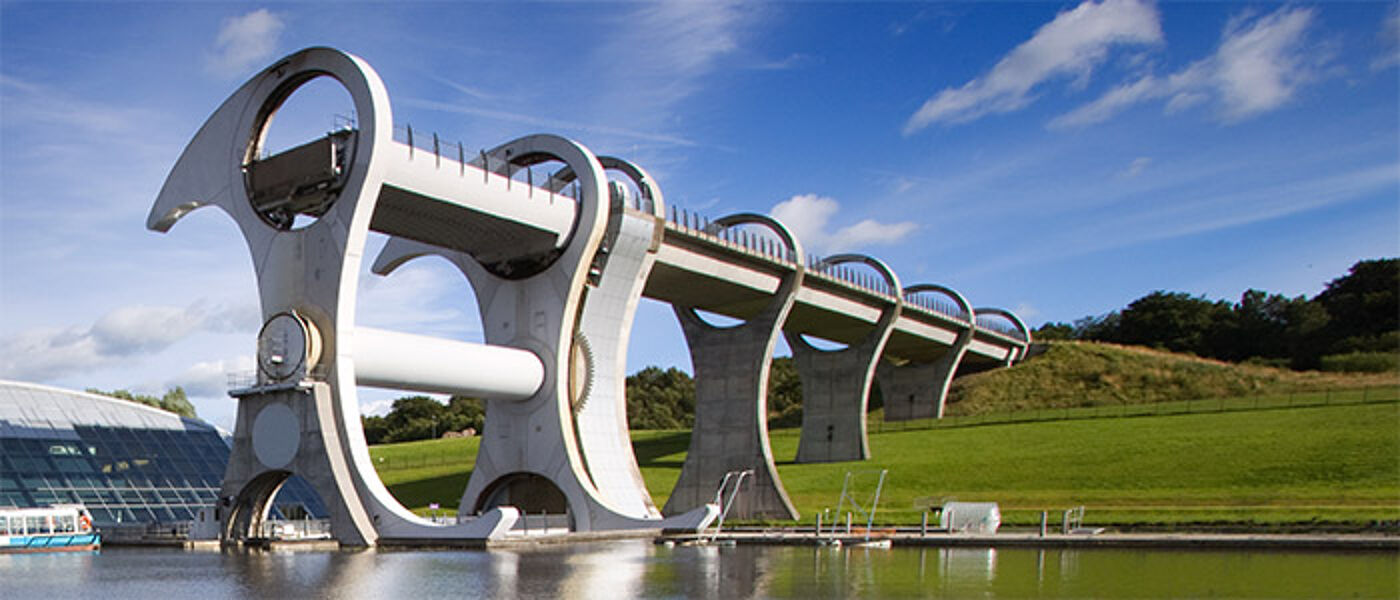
[924, 330]
[468, 186]
[704, 264]
[831, 302]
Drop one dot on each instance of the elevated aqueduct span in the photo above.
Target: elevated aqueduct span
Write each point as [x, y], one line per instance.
[558, 267]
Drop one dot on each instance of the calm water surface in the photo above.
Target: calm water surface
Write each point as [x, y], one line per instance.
[639, 569]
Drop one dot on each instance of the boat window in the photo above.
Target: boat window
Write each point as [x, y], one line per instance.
[4, 526]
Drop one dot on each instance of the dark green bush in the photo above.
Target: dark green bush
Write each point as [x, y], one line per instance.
[1362, 362]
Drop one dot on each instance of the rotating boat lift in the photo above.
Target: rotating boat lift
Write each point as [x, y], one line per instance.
[558, 269]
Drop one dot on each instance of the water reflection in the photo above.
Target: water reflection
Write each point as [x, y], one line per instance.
[639, 569]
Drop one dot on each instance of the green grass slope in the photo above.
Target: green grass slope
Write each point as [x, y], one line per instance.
[1079, 374]
[1316, 465]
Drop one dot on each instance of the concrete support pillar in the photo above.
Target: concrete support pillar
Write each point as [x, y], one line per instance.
[731, 401]
[281, 433]
[920, 391]
[836, 383]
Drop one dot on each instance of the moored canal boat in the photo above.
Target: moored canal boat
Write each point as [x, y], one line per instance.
[58, 528]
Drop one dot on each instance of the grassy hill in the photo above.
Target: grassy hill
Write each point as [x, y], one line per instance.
[1081, 374]
[1314, 466]
[1287, 466]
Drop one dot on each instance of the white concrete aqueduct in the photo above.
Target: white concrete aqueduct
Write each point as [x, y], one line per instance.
[558, 268]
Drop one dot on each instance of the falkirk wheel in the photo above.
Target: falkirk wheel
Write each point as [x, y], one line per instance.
[306, 214]
[558, 268]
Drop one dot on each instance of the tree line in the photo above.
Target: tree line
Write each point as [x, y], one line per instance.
[174, 400]
[422, 418]
[1352, 325]
[656, 399]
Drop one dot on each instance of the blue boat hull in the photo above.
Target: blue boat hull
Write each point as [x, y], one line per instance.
[75, 542]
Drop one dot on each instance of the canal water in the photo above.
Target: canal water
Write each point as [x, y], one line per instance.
[640, 569]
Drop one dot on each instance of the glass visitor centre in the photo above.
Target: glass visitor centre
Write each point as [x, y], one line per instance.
[125, 461]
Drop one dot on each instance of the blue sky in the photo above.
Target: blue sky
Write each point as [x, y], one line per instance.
[1055, 158]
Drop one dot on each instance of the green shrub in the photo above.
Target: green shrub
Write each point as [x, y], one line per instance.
[1260, 361]
[1362, 362]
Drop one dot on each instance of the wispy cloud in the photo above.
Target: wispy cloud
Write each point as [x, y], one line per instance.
[463, 89]
[658, 56]
[1259, 65]
[1136, 167]
[808, 216]
[30, 104]
[427, 296]
[124, 333]
[245, 42]
[1390, 41]
[553, 124]
[1071, 45]
[1210, 209]
[791, 61]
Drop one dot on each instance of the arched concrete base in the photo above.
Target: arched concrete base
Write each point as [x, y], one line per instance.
[293, 427]
[731, 420]
[920, 391]
[835, 394]
[836, 383]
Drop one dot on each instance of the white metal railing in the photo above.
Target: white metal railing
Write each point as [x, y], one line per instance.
[700, 226]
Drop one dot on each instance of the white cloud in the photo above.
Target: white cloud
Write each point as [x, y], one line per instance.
[808, 217]
[378, 407]
[1258, 67]
[124, 333]
[1071, 45]
[244, 42]
[209, 379]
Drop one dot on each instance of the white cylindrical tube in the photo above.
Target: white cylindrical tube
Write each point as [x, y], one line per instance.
[404, 361]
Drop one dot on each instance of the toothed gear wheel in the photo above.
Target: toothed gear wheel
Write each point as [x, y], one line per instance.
[580, 372]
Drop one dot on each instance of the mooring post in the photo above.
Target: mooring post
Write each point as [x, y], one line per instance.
[819, 525]
[923, 525]
[1044, 521]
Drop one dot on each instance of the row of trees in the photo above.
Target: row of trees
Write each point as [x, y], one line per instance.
[421, 418]
[1356, 314]
[656, 399]
[665, 399]
[174, 400]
